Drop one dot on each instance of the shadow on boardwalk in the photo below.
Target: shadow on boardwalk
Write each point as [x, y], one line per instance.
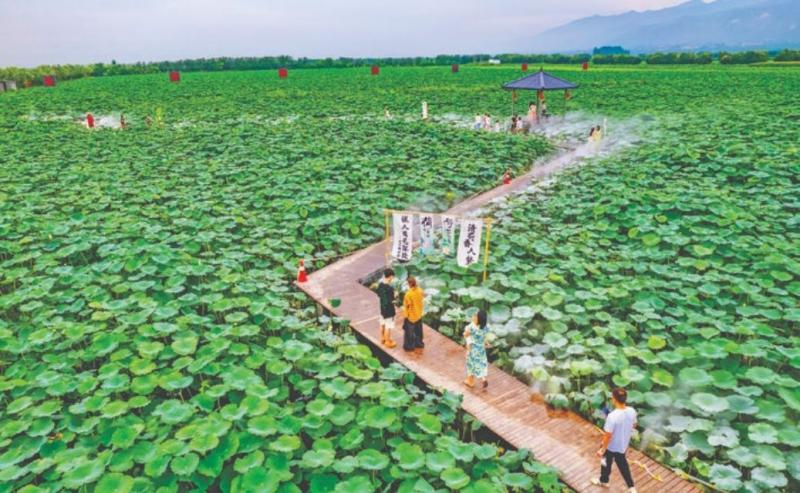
[509, 408]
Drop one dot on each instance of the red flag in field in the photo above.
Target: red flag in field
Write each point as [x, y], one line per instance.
[49, 81]
[524, 67]
[376, 70]
[585, 66]
[174, 76]
[454, 68]
[283, 73]
[89, 120]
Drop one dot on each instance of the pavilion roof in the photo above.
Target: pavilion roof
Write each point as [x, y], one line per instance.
[539, 81]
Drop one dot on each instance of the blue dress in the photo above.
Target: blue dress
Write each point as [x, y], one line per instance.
[477, 361]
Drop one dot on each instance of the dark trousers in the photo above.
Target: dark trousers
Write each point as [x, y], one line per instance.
[412, 334]
[622, 464]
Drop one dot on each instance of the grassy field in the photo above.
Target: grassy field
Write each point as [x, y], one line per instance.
[150, 338]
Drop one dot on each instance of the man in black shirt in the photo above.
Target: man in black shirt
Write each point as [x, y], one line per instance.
[387, 300]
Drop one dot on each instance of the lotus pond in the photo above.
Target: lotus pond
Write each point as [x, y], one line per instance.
[150, 339]
[672, 269]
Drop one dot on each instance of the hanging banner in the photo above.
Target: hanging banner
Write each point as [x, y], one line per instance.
[469, 242]
[448, 234]
[426, 232]
[401, 243]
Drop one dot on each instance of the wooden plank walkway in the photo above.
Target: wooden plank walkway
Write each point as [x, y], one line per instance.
[508, 407]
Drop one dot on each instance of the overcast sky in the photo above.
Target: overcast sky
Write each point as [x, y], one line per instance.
[34, 32]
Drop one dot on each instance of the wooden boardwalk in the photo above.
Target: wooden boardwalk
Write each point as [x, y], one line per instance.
[508, 407]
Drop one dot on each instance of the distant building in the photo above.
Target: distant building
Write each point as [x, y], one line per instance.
[8, 85]
[494, 61]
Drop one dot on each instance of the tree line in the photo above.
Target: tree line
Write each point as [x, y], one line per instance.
[33, 76]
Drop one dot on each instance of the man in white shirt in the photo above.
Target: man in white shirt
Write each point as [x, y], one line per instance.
[618, 429]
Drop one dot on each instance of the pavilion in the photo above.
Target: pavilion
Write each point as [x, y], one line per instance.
[540, 81]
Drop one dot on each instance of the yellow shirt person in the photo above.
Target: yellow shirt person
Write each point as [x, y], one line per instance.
[413, 304]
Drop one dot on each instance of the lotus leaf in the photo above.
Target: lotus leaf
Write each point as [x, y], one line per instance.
[379, 417]
[724, 436]
[316, 459]
[694, 377]
[286, 443]
[430, 424]
[249, 461]
[87, 471]
[726, 478]
[455, 478]
[345, 465]
[372, 460]
[173, 411]
[769, 478]
[710, 404]
[762, 433]
[355, 484]
[439, 461]
[409, 456]
[258, 480]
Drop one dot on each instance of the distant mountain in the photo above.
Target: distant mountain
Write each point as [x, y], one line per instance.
[691, 26]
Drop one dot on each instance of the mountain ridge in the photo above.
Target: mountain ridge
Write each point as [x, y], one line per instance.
[690, 26]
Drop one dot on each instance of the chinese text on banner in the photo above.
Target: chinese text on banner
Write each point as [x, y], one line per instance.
[469, 242]
[401, 244]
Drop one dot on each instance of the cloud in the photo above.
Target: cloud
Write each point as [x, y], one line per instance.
[84, 31]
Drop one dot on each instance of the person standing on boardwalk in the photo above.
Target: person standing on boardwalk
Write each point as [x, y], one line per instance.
[477, 360]
[387, 296]
[619, 427]
[413, 305]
